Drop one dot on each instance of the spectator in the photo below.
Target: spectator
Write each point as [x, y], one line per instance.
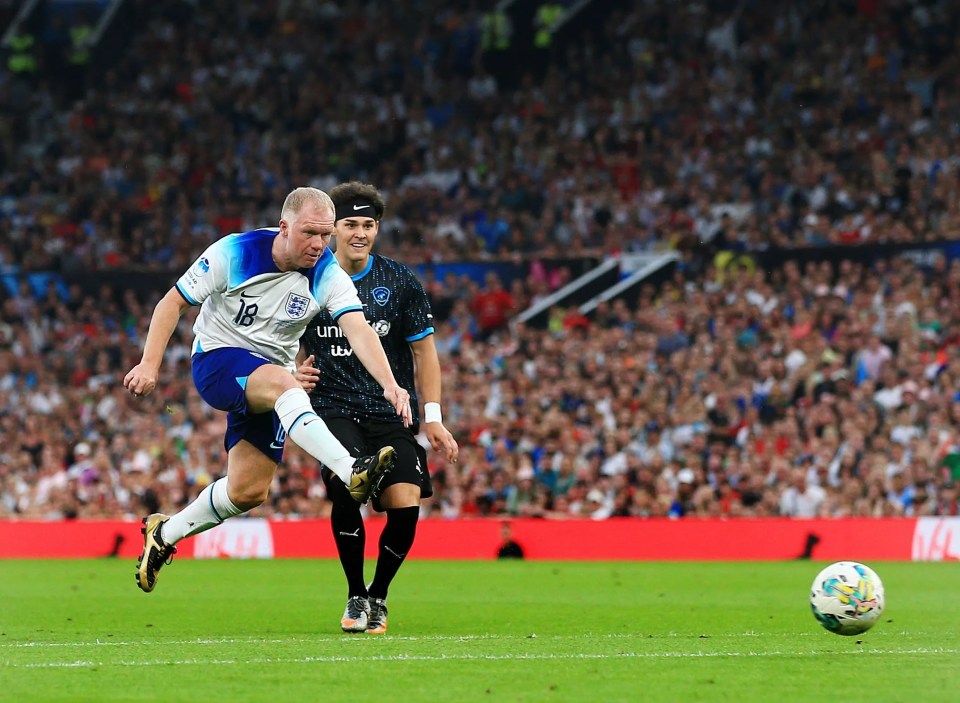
[509, 548]
[801, 498]
[492, 307]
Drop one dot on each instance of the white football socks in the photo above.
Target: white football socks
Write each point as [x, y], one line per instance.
[210, 508]
[311, 433]
[304, 427]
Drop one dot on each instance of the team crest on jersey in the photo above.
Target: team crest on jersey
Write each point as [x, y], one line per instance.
[201, 267]
[381, 327]
[381, 295]
[297, 305]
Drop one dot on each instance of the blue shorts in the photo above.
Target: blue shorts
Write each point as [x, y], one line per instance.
[221, 379]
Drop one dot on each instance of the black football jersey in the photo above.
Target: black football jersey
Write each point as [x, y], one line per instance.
[397, 309]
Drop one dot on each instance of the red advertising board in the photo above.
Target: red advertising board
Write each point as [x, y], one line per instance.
[927, 539]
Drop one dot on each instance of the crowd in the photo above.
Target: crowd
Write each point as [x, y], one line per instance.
[802, 390]
[791, 125]
[813, 392]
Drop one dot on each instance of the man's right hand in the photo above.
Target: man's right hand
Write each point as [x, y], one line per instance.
[307, 374]
[400, 400]
[141, 380]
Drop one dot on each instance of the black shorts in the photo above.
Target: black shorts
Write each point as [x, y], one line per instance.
[363, 437]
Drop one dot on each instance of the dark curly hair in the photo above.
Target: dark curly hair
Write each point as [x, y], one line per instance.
[347, 193]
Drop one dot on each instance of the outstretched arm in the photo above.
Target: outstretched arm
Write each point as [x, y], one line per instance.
[142, 378]
[366, 345]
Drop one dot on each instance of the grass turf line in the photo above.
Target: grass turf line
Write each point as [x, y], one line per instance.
[468, 631]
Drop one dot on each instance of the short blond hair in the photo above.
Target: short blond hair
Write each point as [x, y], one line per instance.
[299, 197]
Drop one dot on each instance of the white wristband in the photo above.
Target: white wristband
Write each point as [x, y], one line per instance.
[431, 412]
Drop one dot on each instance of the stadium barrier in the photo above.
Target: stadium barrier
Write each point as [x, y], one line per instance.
[898, 539]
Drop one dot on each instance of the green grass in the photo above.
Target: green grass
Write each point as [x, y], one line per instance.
[468, 631]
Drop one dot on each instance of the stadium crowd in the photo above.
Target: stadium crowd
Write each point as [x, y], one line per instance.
[801, 390]
[793, 125]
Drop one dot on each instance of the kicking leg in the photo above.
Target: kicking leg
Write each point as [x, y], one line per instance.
[247, 484]
[271, 388]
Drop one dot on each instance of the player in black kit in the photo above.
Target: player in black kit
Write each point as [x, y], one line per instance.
[351, 402]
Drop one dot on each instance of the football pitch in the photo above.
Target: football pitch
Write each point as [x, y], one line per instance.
[469, 631]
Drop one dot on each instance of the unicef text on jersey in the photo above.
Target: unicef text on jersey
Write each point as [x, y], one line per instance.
[381, 327]
[333, 332]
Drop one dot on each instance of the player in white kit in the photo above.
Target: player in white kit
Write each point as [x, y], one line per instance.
[257, 291]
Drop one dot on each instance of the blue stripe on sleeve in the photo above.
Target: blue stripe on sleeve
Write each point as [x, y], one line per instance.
[186, 297]
[426, 333]
[340, 313]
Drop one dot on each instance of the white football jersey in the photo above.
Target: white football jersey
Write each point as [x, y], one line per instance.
[247, 302]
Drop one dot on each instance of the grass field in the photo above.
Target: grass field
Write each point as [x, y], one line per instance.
[469, 631]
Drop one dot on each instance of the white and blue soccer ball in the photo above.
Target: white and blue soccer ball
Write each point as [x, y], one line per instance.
[847, 598]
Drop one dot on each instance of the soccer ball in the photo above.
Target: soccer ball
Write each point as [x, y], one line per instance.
[847, 598]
